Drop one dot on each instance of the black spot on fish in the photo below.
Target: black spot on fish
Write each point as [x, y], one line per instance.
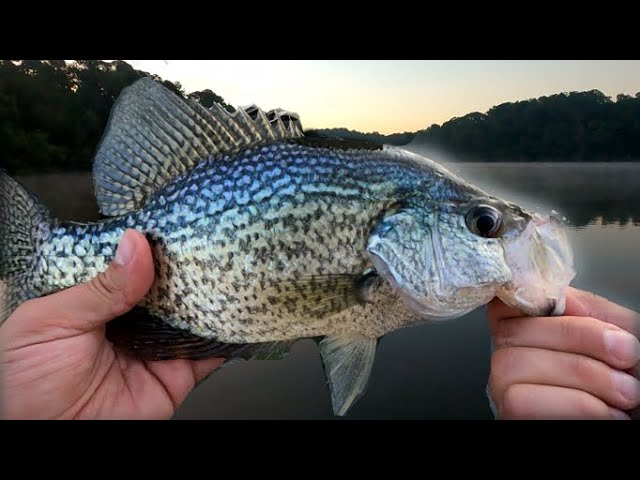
[244, 245]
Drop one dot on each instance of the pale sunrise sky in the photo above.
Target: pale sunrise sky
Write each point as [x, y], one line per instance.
[391, 95]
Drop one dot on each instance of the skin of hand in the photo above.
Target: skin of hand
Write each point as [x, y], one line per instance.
[55, 362]
[583, 365]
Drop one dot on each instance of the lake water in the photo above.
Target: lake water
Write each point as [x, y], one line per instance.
[434, 371]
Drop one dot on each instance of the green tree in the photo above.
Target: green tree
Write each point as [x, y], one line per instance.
[53, 113]
[207, 98]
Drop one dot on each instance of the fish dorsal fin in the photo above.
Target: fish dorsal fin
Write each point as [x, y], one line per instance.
[153, 136]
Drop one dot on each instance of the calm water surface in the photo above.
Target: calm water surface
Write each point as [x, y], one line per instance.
[433, 371]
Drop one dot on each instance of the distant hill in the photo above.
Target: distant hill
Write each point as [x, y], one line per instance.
[53, 114]
[575, 126]
[392, 139]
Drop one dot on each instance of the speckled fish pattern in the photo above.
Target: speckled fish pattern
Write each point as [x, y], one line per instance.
[236, 240]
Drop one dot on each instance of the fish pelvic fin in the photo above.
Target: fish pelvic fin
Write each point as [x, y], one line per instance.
[24, 226]
[153, 136]
[348, 362]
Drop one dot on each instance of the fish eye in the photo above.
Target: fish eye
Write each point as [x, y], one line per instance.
[484, 221]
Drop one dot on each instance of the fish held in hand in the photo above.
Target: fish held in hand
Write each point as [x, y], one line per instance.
[262, 235]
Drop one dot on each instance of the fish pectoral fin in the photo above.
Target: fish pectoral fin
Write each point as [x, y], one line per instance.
[348, 361]
[152, 136]
[150, 338]
[320, 296]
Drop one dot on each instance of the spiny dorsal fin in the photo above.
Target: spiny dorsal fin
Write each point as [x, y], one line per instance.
[152, 136]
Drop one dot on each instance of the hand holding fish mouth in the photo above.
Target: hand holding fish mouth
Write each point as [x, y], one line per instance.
[578, 366]
[57, 364]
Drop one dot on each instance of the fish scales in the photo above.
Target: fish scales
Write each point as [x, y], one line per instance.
[228, 233]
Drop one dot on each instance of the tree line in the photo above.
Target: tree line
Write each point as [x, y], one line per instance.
[53, 114]
[570, 126]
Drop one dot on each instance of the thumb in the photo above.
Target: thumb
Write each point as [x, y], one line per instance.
[108, 295]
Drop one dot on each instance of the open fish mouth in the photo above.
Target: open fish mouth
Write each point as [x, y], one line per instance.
[542, 262]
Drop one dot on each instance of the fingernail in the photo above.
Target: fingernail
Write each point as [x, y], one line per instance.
[125, 250]
[623, 346]
[618, 414]
[627, 386]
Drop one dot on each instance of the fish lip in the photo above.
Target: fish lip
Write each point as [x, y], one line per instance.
[553, 307]
[541, 259]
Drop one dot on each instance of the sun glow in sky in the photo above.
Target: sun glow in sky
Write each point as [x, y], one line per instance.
[391, 95]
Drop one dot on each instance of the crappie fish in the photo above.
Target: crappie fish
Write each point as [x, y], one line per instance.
[262, 235]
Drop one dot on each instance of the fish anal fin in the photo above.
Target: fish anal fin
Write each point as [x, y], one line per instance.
[147, 337]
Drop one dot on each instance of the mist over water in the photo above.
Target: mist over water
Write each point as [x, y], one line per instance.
[436, 371]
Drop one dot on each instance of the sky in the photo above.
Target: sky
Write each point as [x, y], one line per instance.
[391, 96]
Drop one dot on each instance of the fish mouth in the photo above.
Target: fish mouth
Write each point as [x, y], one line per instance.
[542, 263]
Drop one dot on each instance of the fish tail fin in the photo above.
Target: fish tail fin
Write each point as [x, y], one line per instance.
[24, 223]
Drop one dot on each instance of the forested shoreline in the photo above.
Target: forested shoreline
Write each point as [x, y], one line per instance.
[53, 114]
[567, 127]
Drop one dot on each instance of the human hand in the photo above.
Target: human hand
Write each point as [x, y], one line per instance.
[55, 362]
[577, 366]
